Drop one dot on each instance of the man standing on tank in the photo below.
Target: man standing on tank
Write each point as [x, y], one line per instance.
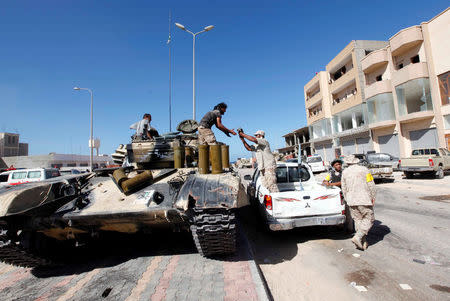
[214, 117]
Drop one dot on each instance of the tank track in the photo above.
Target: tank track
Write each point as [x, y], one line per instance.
[214, 231]
[14, 253]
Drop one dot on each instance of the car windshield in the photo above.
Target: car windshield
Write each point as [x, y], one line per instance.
[314, 159]
[292, 174]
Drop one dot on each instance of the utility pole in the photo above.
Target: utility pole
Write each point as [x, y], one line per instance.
[170, 72]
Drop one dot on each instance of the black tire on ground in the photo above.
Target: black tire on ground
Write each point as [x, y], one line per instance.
[409, 175]
[440, 173]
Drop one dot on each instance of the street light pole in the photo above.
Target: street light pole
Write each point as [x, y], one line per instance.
[207, 28]
[91, 140]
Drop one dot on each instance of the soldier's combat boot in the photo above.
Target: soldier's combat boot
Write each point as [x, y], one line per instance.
[365, 243]
[357, 240]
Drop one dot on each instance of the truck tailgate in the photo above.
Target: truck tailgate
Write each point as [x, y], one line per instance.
[319, 201]
[419, 161]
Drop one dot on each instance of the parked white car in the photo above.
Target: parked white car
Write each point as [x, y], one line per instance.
[316, 162]
[301, 201]
[21, 176]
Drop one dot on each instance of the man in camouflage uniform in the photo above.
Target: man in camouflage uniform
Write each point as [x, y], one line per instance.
[358, 188]
[264, 157]
[214, 117]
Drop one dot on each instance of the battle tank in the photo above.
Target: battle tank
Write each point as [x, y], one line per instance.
[77, 208]
[158, 152]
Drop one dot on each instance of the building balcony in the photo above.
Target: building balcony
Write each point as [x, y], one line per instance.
[314, 118]
[405, 39]
[376, 88]
[316, 99]
[343, 81]
[382, 124]
[410, 72]
[374, 60]
[347, 103]
[413, 117]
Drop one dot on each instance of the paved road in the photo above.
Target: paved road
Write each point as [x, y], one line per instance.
[158, 267]
[409, 244]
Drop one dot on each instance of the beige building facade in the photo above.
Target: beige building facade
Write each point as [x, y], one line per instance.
[388, 96]
[10, 146]
[297, 142]
[407, 86]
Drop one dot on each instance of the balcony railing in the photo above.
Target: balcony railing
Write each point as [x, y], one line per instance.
[410, 72]
[314, 118]
[343, 81]
[374, 60]
[313, 100]
[346, 103]
[405, 39]
[375, 88]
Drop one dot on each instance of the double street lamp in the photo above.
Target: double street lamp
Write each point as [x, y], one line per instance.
[207, 28]
[91, 140]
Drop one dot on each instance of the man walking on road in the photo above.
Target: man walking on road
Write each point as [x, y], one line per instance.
[264, 157]
[214, 117]
[358, 188]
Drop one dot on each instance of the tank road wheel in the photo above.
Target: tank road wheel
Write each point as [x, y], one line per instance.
[214, 231]
[21, 250]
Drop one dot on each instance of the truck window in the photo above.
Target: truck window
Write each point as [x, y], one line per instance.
[417, 152]
[298, 174]
[19, 175]
[316, 159]
[4, 178]
[282, 175]
[34, 174]
[434, 152]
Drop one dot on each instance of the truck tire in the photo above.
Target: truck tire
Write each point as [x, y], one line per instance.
[409, 175]
[440, 173]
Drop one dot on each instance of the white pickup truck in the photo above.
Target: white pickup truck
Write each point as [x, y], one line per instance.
[426, 161]
[301, 200]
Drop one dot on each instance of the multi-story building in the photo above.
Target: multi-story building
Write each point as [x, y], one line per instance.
[384, 96]
[296, 141]
[334, 101]
[10, 146]
[57, 161]
[407, 88]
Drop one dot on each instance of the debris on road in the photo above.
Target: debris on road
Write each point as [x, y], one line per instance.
[419, 261]
[356, 255]
[340, 250]
[405, 286]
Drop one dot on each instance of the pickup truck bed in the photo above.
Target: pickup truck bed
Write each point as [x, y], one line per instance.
[426, 162]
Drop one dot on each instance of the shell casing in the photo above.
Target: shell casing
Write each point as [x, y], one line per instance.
[189, 155]
[178, 154]
[216, 158]
[139, 181]
[203, 159]
[225, 156]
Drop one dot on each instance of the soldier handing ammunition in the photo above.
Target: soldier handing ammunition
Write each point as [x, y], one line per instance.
[264, 157]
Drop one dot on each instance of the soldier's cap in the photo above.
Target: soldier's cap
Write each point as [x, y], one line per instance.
[259, 132]
[351, 159]
[336, 161]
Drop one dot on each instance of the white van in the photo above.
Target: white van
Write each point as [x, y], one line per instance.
[21, 176]
[316, 163]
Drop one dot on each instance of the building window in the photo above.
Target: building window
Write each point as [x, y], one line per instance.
[414, 96]
[444, 87]
[415, 59]
[379, 78]
[447, 122]
[380, 108]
